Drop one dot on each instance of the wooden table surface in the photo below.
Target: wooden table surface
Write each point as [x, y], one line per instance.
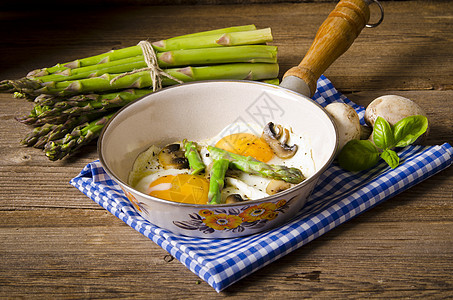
[57, 243]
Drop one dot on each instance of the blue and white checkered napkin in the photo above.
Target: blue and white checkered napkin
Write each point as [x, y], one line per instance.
[338, 197]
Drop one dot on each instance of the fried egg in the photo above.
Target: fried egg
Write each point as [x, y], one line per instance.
[150, 177]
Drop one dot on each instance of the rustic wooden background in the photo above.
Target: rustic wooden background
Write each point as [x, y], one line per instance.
[57, 243]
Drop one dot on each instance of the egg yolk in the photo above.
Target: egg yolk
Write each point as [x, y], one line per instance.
[246, 144]
[183, 188]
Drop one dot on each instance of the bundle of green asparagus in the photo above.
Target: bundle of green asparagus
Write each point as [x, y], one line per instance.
[74, 100]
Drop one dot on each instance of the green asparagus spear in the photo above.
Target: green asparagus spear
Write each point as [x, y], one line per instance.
[246, 71]
[56, 119]
[71, 142]
[193, 156]
[217, 31]
[250, 37]
[220, 55]
[48, 132]
[78, 100]
[217, 180]
[51, 100]
[39, 132]
[104, 83]
[117, 66]
[177, 58]
[250, 165]
[89, 61]
[189, 41]
[80, 104]
[46, 100]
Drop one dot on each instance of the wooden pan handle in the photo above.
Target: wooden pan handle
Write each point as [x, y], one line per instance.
[334, 37]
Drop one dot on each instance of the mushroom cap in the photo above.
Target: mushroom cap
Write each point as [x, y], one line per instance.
[392, 108]
[347, 121]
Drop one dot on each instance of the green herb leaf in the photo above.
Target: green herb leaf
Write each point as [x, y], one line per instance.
[391, 158]
[407, 130]
[358, 155]
[383, 134]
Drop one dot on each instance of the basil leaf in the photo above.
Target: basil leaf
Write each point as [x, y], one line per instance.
[383, 134]
[391, 158]
[358, 155]
[407, 130]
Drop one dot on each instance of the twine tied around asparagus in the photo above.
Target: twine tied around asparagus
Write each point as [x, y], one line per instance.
[151, 61]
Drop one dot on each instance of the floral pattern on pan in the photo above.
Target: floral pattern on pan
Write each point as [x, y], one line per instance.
[234, 219]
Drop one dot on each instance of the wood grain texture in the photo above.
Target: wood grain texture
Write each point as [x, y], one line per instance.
[58, 244]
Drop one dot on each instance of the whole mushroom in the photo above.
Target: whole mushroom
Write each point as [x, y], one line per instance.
[347, 122]
[393, 108]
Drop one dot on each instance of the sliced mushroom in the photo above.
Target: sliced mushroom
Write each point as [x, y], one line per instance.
[172, 157]
[277, 186]
[233, 198]
[272, 135]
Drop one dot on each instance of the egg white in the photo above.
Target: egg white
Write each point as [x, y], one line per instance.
[236, 127]
[145, 164]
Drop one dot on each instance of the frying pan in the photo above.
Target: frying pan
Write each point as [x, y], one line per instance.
[199, 110]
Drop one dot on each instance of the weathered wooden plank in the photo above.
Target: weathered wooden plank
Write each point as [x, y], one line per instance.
[72, 258]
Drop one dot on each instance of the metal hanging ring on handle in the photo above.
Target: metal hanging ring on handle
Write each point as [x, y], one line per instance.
[382, 13]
